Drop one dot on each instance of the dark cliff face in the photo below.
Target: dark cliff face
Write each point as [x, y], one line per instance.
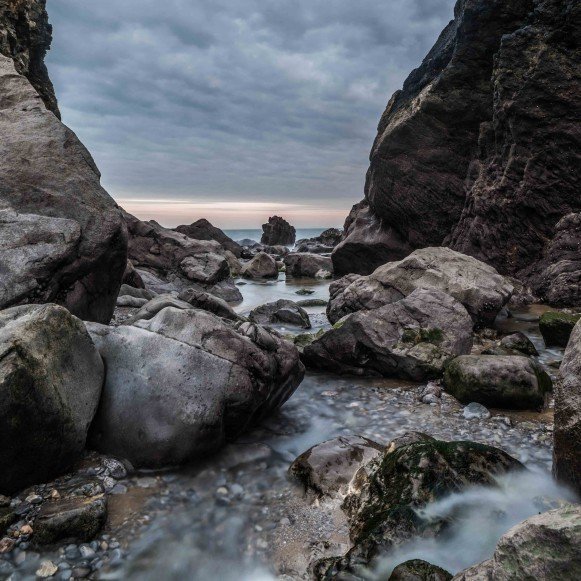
[479, 150]
[25, 37]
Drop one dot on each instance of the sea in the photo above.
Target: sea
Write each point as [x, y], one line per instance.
[256, 234]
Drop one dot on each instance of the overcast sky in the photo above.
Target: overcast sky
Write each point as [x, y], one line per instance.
[235, 109]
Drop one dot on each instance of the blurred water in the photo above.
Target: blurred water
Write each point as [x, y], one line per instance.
[256, 234]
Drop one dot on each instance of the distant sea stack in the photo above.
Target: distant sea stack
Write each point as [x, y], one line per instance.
[278, 231]
[62, 237]
[479, 151]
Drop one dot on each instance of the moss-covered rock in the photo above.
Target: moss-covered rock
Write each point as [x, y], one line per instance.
[498, 381]
[556, 327]
[418, 570]
[519, 342]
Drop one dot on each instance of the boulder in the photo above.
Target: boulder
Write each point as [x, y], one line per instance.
[205, 268]
[418, 570]
[545, 546]
[129, 301]
[498, 381]
[78, 518]
[329, 468]
[131, 277]
[567, 433]
[203, 230]
[182, 383]
[278, 231]
[412, 338]
[207, 302]
[138, 293]
[62, 237]
[281, 311]
[519, 342]
[474, 284]
[50, 383]
[233, 263]
[261, 266]
[556, 327]
[155, 305]
[305, 265]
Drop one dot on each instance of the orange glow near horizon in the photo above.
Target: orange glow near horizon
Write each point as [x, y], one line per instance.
[232, 215]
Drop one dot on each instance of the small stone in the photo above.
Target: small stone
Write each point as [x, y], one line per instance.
[25, 530]
[54, 494]
[108, 483]
[87, 552]
[5, 500]
[475, 411]
[116, 468]
[6, 545]
[81, 572]
[46, 569]
[222, 491]
[147, 482]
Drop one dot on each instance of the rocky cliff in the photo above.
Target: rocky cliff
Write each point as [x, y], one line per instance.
[480, 149]
[62, 237]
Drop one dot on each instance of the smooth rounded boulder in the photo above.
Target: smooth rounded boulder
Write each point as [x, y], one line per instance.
[306, 265]
[498, 381]
[413, 338]
[282, 311]
[556, 327]
[261, 266]
[51, 376]
[476, 285]
[182, 383]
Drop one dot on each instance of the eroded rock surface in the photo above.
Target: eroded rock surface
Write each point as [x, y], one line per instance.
[278, 231]
[203, 230]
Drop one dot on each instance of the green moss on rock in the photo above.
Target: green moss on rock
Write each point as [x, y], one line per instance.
[556, 327]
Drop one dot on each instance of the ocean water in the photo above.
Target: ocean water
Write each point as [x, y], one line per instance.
[255, 234]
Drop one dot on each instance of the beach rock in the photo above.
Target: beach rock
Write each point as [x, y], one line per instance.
[556, 327]
[78, 518]
[281, 311]
[182, 383]
[498, 381]
[233, 263]
[278, 231]
[203, 230]
[328, 468]
[412, 338]
[138, 293]
[460, 156]
[475, 411]
[225, 290]
[545, 546]
[248, 242]
[567, 433]
[474, 284]
[131, 277]
[129, 301]
[62, 237]
[301, 264]
[261, 266]
[50, 383]
[519, 342]
[418, 570]
[312, 247]
[205, 268]
[207, 302]
[155, 305]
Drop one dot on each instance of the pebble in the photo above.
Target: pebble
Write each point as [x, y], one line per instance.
[87, 552]
[475, 411]
[46, 569]
[115, 468]
[34, 499]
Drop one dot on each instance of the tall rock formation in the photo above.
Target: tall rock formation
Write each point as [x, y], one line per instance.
[480, 149]
[62, 237]
[277, 231]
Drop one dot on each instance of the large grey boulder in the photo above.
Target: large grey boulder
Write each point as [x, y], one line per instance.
[202, 229]
[412, 338]
[304, 264]
[566, 456]
[181, 384]
[546, 546]
[500, 381]
[281, 311]
[205, 268]
[50, 382]
[155, 305]
[207, 302]
[261, 266]
[62, 237]
[471, 282]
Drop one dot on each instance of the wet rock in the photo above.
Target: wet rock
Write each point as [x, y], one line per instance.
[481, 290]
[299, 265]
[418, 570]
[203, 230]
[304, 339]
[182, 383]
[412, 338]
[281, 311]
[312, 303]
[47, 569]
[225, 290]
[207, 302]
[499, 381]
[312, 247]
[556, 327]
[475, 411]
[567, 435]
[278, 231]
[205, 268]
[50, 383]
[129, 301]
[77, 517]
[155, 305]
[328, 469]
[519, 342]
[431, 393]
[545, 546]
[62, 237]
[261, 266]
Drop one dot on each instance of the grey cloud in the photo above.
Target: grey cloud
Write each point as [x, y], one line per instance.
[231, 99]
